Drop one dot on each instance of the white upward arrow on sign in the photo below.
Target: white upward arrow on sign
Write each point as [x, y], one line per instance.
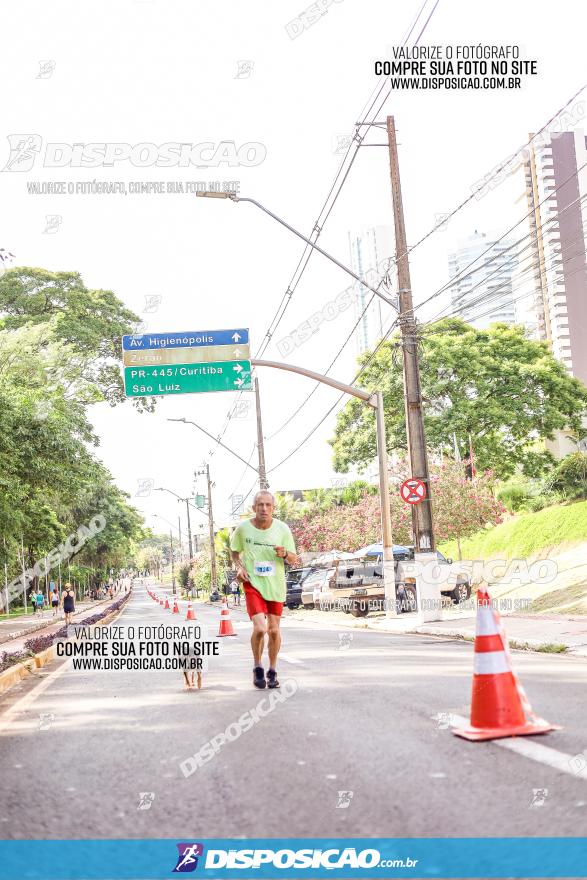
[236, 337]
[237, 352]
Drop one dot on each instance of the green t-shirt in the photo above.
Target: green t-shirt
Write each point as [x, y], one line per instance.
[264, 567]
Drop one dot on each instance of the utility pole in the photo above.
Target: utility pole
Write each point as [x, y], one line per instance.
[263, 484]
[180, 543]
[206, 471]
[187, 507]
[418, 458]
[172, 563]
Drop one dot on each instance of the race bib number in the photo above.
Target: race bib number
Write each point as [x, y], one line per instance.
[264, 568]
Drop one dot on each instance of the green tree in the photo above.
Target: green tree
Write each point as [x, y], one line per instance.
[504, 390]
[82, 327]
[59, 352]
[570, 476]
[222, 547]
[318, 500]
[286, 507]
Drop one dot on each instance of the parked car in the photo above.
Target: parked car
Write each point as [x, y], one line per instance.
[356, 585]
[462, 588]
[319, 564]
[294, 581]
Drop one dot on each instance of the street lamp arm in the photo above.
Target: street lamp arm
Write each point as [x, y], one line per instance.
[171, 492]
[215, 439]
[367, 396]
[235, 198]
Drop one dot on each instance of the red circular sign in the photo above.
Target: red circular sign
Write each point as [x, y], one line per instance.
[413, 491]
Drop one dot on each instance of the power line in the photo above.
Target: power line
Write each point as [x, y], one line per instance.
[492, 295]
[353, 380]
[458, 304]
[457, 279]
[245, 471]
[495, 173]
[495, 294]
[425, 237]
[356, 140]
[332, 362]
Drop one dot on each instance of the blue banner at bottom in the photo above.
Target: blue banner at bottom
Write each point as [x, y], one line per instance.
[232, 858]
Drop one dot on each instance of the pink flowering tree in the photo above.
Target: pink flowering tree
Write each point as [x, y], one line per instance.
[461, 507]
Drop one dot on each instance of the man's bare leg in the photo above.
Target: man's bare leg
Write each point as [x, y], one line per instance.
[258, 637]
[273, 621]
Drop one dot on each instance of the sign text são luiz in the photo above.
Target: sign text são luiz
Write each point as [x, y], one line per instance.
[186, 362]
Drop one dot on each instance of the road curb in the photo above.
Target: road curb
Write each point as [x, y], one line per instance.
[43, 625]
[24, 668]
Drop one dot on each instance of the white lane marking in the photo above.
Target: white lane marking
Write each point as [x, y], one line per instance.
[289, 659]
[535, 751]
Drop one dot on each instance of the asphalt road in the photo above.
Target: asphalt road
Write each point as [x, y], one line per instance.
[362, 721]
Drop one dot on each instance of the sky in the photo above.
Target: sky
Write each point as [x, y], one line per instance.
[154, 72]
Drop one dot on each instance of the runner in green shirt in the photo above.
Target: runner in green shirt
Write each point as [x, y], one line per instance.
[260, 547]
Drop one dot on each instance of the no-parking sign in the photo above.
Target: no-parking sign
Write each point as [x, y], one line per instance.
[413, 491]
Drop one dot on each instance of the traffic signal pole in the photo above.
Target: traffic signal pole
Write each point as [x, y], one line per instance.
[417, 454]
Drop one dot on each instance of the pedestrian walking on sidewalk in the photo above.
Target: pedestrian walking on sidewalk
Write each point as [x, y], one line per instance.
[40, 602]
[33, 601]
[68, 603]
[260, 548]
[54, 601]
[235, 589]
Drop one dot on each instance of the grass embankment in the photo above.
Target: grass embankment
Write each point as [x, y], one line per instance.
[18, 612]
[526, 535]
[559, 533]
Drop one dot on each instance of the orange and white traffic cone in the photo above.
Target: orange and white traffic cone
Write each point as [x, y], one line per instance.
[175, 608]
[166, 606]
[160, 601]
[226, 628]
[499, 705]
[191, 615]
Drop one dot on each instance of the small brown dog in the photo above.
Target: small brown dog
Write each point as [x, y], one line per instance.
[190, 685]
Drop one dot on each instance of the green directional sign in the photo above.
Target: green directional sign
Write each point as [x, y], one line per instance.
[187, 378]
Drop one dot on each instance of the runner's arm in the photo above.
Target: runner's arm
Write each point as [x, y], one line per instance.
[241, 572]
[287, 550]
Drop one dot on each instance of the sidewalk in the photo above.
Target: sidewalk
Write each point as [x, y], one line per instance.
[14, 633]
[522, 630]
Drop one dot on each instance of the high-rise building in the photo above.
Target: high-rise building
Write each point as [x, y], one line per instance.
[371, 250]
[482, 267]
[556, 190]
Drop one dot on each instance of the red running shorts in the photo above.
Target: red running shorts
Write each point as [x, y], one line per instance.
[256, 604]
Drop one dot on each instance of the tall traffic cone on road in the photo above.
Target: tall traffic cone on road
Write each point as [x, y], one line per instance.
[226, 628]
[175, 608]
[499, 705]
[191, 615]
[166, 606]
[160, 601]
